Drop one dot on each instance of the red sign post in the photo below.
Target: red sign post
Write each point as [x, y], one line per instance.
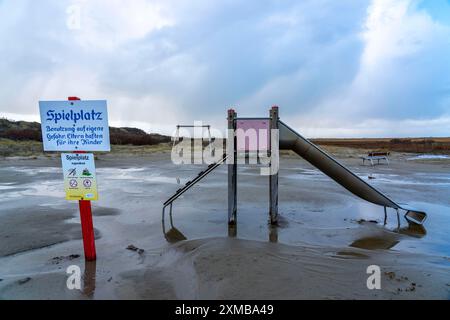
[87, 225]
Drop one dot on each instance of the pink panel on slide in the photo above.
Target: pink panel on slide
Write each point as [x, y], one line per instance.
[253, 135]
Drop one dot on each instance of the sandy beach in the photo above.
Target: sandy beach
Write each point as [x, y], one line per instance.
[321, 249]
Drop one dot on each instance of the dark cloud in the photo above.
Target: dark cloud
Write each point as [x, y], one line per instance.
[330, 63]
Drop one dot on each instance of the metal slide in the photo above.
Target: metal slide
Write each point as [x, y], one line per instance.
[291, 140]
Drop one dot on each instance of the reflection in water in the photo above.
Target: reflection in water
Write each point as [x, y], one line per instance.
[232, 230]
[385, 240]
[90, 270]
[389, 240]
[414, 230]
[373, 243]
[273, 233]
[174, 235]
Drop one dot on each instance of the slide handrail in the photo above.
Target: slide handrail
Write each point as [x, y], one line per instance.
[199, 177]
[186, 187]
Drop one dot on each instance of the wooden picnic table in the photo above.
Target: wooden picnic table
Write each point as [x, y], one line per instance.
[376, 156]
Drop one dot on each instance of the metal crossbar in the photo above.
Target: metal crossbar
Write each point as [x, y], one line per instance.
[193, 126]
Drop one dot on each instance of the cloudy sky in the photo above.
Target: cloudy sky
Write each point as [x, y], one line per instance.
[345, 68]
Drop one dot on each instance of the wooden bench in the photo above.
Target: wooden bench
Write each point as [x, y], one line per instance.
[376, 156]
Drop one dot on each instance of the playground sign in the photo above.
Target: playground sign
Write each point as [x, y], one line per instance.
[80, 181]
[74, 125]
[253, 135]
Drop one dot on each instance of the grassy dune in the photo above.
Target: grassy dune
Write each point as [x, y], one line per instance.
[30, 148]
[413, 145]
[27, 148]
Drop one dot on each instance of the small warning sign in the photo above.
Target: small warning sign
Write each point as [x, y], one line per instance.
[80, 182]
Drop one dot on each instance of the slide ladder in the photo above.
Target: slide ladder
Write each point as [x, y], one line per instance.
[191, 183]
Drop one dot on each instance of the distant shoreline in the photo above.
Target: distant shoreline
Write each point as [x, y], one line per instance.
[436, 146]
[22, 138]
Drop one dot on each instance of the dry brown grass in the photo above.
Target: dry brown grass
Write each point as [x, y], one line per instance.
[413, 145]
[350, 147]
[10, 148]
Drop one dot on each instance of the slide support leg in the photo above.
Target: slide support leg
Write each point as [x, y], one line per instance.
[232, 168]
[274, 153]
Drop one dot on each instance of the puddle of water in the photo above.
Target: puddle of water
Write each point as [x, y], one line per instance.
[203, 213]
[347, 255]
[136, 174]
[338, 227]
[429, 157]
[35, 170]
[405, 181]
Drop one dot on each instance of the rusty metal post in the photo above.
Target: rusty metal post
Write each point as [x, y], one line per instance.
[274, 153]
[232, 168]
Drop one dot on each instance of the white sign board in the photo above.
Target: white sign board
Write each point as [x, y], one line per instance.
[79, 125]
[80, 181]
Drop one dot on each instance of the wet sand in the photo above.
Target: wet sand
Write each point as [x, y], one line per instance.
[321, 249]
